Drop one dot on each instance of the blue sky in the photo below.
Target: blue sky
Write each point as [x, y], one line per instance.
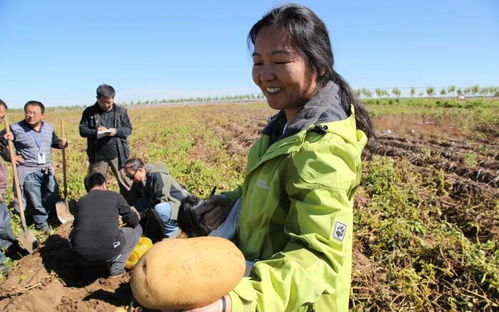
[59, 51]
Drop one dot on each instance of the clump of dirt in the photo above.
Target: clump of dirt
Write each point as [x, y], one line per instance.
[49, 280]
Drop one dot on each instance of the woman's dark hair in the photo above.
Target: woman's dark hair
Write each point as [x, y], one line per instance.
[187, 219]
[310, 35]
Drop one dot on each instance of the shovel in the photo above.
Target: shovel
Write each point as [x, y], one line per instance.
[62, 207]
[26, 239]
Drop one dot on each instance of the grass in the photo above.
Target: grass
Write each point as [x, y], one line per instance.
[421, 254]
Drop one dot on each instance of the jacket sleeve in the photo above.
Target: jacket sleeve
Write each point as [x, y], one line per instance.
[233, 195]
[314, 267]
[161, 186]
[55, 140]
[133, 194]
[129, 216]
[125, 128]
[87, 129]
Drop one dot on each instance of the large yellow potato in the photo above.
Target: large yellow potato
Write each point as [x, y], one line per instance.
[186, 273]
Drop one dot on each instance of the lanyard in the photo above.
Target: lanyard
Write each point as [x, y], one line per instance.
[37, 137]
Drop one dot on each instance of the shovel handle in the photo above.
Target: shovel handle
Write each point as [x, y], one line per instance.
[12, 154]
[65, 181]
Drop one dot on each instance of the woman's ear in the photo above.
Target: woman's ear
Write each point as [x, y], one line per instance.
[321, 71]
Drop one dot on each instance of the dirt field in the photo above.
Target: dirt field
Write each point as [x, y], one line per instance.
[47, 280]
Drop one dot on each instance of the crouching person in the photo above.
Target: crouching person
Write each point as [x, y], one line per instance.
[154, 189]
[97, 238]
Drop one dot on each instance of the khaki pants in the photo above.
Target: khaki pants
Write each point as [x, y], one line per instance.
[101, 166]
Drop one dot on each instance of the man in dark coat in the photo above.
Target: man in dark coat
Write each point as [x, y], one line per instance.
[106, 127]
[97, 238]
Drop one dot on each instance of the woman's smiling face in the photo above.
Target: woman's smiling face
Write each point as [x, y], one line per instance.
[282, 71]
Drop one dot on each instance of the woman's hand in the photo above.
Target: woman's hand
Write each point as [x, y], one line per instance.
[213, 211]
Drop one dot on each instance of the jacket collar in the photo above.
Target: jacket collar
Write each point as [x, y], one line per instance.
[324, 107]
[99, 110]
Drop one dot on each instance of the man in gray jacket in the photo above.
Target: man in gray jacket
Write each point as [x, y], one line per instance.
[155, 189]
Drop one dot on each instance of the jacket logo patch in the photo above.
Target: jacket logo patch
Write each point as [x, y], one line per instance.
[116, 244]
[340, 231]
[262, 184]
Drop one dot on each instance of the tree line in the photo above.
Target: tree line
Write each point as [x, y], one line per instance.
[451, 91]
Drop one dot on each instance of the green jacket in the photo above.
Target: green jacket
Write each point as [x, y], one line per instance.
[296, 219]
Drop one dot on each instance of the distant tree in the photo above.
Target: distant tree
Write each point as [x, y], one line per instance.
[396, 92]
[430, 91]
[443, 92]
[413, 91]
[367, 93]
[452, 89]
[475, 89]
[357, 92]
[459, 92]
[378, 92]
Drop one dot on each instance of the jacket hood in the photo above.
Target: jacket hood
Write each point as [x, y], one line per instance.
[159, 167]
[324, 107]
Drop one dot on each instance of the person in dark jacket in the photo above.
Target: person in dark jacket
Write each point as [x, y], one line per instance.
[96, 237]
[155, 189]
[7, 238]
[106, 127]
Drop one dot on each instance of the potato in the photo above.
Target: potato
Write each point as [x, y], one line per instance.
[186, 273]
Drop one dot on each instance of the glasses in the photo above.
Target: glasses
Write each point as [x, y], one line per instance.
[28, 113]
[132, 176]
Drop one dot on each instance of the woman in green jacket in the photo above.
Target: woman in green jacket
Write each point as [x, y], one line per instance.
[295, 221]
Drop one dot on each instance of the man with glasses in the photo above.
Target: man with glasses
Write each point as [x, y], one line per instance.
[106, 127]
[155, 190]
[34, 139]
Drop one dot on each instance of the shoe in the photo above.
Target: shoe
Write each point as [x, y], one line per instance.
[46, 230]
[15, 252]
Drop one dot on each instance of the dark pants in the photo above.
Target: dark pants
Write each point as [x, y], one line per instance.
[116, 265]
[40, 190]
[6, 236]
[124, 182]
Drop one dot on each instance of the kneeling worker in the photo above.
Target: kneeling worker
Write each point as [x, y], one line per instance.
[96, 238]
[154, 188]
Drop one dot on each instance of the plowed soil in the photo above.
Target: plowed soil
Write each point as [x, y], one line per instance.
[49, 281]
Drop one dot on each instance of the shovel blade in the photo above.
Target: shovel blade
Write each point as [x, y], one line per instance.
[63, 213]
[27, 241]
